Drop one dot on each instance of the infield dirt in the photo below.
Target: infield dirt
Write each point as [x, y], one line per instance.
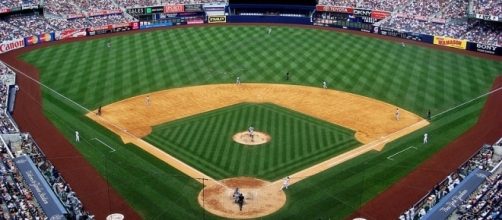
[374, 122]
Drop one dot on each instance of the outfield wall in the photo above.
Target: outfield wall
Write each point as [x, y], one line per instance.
[339, 17]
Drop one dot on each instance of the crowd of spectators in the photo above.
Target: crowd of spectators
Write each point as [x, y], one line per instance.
[346, 3]
[108, 19]
[383, 5]
[16, 3]
[137, 3]
[488, 7]
[56, 181]
[7, 77]
[9, 32]
[485, 32]
[485, 203]
[96, 5]
[62, 8]
[33, 24]
[425, 27]
[424, 8]
[16, 201]
[482, 160]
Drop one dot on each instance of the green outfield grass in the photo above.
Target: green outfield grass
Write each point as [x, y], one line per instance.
[298, 141]
[411, 77]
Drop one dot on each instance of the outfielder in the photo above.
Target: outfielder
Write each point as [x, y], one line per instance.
[324, 85]
[238, 80]
[269, 30]
[426, 138]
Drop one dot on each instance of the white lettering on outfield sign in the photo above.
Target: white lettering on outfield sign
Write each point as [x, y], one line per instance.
[7, 46]
[486, 47]
[362, 12]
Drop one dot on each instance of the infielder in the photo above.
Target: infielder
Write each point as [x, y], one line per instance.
[397, 114]
[77, 136]
[147, 101]
[238, 80]
[426, 138]
[324, 85]
[285, 183]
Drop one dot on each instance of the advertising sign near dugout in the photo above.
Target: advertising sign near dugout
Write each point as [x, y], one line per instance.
[217, 19]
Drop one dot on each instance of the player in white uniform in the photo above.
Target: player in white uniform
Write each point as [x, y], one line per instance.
[285, 183]
[324, 85]
[426, 138]
[77, 136]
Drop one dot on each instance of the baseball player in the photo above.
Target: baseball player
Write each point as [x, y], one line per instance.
[402, 44]
[147, 101]
[324, 85]
[426, 138]
[269, 30]
[77, 136]
[397, 114]
[285, 183]
[238, 80]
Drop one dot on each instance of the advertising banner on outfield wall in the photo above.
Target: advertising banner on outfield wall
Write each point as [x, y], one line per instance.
[134, 25]
[217, 19]
[193, 8]
[450, 42]
[484, 48]
[7, 46]
[37, 39]
[174, 8]
[379, 14]
[329, 8]
[70, 33]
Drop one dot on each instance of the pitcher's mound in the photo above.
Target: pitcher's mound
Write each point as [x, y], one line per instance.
[260, 198]
[246, 139]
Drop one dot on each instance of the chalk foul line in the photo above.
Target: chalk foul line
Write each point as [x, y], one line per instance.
[390, 157]
[98, 140]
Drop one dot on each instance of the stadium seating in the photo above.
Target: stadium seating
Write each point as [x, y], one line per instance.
[489, 192]
[17, 200]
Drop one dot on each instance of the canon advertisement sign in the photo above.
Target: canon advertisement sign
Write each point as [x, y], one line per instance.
[7, 46]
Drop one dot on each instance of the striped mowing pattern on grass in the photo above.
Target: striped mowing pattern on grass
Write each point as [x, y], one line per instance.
[414, 78]
[205, 141]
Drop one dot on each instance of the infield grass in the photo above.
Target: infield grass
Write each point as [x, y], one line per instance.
[411, 77]
[298, 141]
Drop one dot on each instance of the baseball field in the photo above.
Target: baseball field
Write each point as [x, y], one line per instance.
[135, 79]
